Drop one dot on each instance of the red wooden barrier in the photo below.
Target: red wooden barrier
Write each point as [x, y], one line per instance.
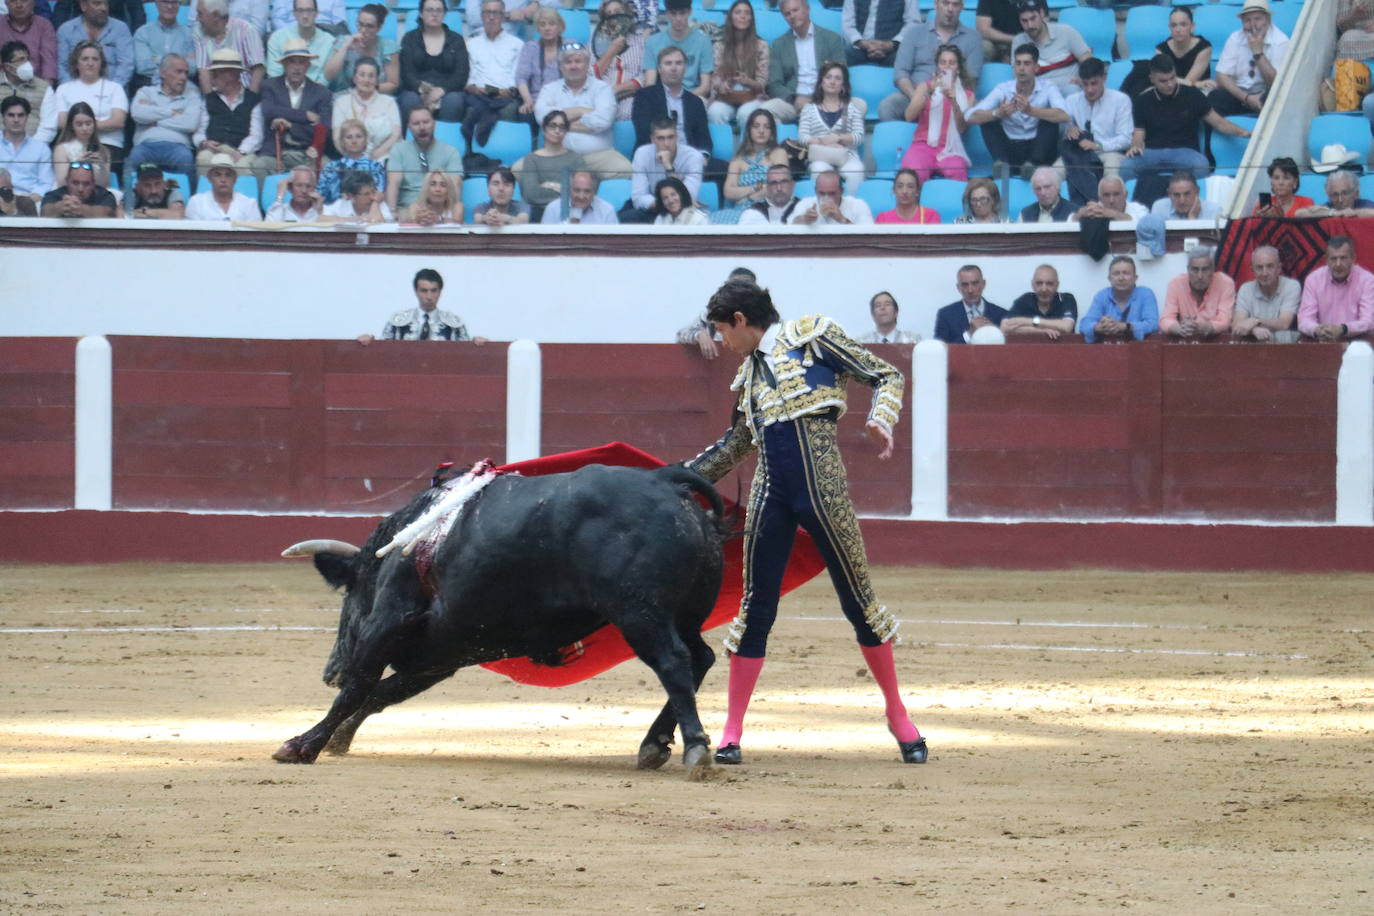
[37, 416]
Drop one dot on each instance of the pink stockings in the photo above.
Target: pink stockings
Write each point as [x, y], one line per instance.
[926, 161]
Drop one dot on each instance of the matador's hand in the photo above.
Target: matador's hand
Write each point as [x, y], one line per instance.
[881, 438]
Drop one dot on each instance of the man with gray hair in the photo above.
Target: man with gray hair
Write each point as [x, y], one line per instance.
[217, 31]
[1184, 200]
[1199, 303]
[590, 106]
[1269, 302]
[168, 116]
[584, 207]
[493, 54]
[1112, 203]
[1342, 198]
[1049, 206]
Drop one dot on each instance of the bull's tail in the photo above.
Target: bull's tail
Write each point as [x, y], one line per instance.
[680, 476]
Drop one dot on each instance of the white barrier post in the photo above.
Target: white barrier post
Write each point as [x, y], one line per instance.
[524, 381]
[1355, 436]
[94, 424]
[930, 431]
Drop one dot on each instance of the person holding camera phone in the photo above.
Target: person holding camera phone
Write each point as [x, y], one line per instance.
[1097, 135]
[493, 55]
[79, 143]
[1283, 198]
[938, 106]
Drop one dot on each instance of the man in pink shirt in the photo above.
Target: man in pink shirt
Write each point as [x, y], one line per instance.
[1338, 299]
[1198, 304]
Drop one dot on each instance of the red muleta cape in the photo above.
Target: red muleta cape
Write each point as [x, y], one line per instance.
[606, 648]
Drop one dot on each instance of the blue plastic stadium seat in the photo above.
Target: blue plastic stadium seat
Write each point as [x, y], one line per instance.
[993, 72]
[805, 189]
[890, 139]
[577, 25]
[1311, 185]
[474, 193]
[451, 132]
[877, 193]
[945, 196]
[1366, 188]
[1353, 133]
[1228, 150]
[872, 84]
[1285, 15]
[968, 18]
[769, 24]
[623, 133]
[1215, 23]
[709, 195]
[1146, 26]
[1019, 196]
[508, 142]
[787, 132]
[722, 142]
[1098, 28]
[614, 191]
[980, 160]
[269, 189]
[826, 18]
[1117, 72]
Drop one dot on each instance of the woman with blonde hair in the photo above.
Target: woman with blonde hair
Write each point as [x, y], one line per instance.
[439, 204]
[538, 63]
[106, 98]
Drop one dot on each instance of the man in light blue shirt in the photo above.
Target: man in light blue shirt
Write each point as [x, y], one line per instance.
[159, 38]
[321, 42]
[1098, 132]
[95, 24]
[332, 16]
[1122, 311]
[701, 61]
[1184, 200]
[28, 161]
[1020, 118]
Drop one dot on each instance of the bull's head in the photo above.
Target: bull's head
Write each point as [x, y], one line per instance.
[342, 566]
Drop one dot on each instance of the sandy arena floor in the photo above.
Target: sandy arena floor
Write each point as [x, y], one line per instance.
[1202, 742]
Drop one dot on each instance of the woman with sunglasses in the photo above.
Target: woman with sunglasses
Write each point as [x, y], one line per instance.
[434, 67]
[543, 172]
[366, 42]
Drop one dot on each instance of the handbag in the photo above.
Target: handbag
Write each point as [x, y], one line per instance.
[831, 155]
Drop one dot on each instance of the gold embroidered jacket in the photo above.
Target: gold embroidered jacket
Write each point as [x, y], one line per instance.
[813, 359]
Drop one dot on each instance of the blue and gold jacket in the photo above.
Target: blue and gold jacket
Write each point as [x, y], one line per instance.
[813, 361]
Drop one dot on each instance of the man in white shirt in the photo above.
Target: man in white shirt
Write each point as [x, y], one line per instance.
[590, 107]
[778, 202]
[662, 158]
[1249, 62]
[1020, 118]
[1184, 200]
[1098, 132]
[830, 207]
[883, 308]
[872, 29]
[305, 203]
[492, 56]
[518, 19]
[1061, 47]
[1111, 203]
[222, 203]
[319, 42]
[794, 59]
[584, 207]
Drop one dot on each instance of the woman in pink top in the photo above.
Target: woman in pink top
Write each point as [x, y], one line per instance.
[906, 187]
[937, 106]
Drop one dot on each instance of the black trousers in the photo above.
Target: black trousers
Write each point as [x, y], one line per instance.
[1043, 149]
[1082, 169]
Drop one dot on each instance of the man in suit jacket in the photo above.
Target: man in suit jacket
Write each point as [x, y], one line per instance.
[652, 104]
[956, 322]
[1049, 206]
[794, 59]
[295, 123]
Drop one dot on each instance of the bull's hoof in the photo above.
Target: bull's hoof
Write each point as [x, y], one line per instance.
[653, 755]
[697, 757]
[293, 751]
[337, 747]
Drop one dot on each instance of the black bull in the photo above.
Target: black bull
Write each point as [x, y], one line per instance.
[531, 565]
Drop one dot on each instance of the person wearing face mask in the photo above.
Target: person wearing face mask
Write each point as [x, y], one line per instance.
[18, 78]
[36, 34]
[618, 55]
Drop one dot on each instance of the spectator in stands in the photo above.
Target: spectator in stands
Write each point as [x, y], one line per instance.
[779, 200]
[79, 197]
[982, 202]
[17, 78]
[157, 39]
[1199, 304]
[655, 161]
[434, 66]
[695, 46]
[492, 96]
[129, 12]
[538, 64]
[906, 188]
[831, 206]
[379, 114]
[1049, 206]
[702, 333]
[80, 144]
[1337, 299]
[231, 122]
[543, 172]
[331, 18]
[353, 145]
[256, 14]
[1021, 117]
[1342, 198]
[360, 201]
[152, 196]
[27, 162]
[1249, 62]
[872, 29]
[1167, 117]
[740, 78]
[669, 98]
[501, 208]
[1044, 311]
[440, 204]
[168, 115]
[1269, 302]
[883, 309]
[12, 204]
[305, 204]
[939, 107]
[367, 42]
[95, 26]
[583, 204]
[105, 97]
[1191, 54]
[1284, 199]
[1061, 47]
[1098, 132]
[618, 50]
[673, 205]
[747, 175]
[36, 34]
[1354, 26]
[222, 203]
[412, 159]
[1184, 200]
[1122, 311]
[318, 42]
[832, 126]
[294, 109]
[589, 106]
[956, 322]
[1111, 204]
[515, 13]
[794, 61]
[216, 33]
[919, 46]
[998, 22]
[426, 321]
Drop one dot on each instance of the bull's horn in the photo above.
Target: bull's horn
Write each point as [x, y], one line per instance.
[310, 548]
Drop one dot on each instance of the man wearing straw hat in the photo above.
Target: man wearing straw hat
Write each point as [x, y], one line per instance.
[1249, 62]
[294, 109]
[215, 31]
[231, 121]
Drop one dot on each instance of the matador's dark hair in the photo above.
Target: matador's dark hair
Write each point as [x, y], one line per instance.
[746, 298]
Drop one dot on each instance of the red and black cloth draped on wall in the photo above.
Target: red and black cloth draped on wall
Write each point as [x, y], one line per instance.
[1301, 243]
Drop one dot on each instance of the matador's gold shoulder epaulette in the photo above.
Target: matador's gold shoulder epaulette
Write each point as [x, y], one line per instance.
[803, 330]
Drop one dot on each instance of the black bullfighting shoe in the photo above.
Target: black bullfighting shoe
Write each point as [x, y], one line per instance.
[912, 751]
[729, 754]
